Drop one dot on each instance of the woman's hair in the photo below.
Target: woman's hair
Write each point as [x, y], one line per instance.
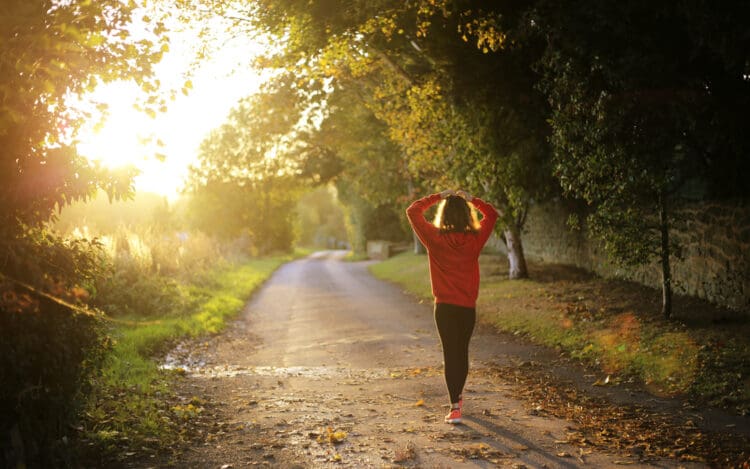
[454, 215]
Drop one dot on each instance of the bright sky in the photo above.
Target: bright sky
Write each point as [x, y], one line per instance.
[218, 84]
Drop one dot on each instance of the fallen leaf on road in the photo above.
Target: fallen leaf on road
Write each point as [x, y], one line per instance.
[333, 437]
[601, 382]
[419, 403]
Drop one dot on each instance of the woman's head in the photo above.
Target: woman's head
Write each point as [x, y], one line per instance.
[455, 216]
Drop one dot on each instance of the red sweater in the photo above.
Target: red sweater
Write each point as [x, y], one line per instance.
[454, 257]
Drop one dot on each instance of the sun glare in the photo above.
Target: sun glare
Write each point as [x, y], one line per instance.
[130, 137]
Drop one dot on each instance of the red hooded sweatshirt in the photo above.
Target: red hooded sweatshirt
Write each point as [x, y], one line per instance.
[453, 257]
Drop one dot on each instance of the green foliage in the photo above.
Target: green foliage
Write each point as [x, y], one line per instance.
[385, 222]
[261, 212]
[145, 269]
[320, 219]
[446, 112]
[635, 116]
[370, 170]
[43, 257]
[52, 51]
[244, 185]
[635, 108]
[372, 165]
[49, 353]
[128, 291]
[356, 210]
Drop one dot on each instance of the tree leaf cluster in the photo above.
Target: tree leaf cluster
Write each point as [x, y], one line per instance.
[53, 52]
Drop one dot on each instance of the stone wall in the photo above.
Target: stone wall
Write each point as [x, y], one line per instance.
[715, 261]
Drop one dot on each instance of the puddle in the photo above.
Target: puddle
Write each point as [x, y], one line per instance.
[191, 364]
[311, 372]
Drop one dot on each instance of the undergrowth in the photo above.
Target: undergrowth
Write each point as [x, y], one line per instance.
[129, 406]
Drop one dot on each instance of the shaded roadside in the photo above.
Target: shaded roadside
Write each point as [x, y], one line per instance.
[597, 334]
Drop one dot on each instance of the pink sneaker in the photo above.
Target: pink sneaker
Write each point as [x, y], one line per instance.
[454, 417]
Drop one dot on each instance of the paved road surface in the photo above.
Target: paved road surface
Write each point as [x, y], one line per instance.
[326, 352]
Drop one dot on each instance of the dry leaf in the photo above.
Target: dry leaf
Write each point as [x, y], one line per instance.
[601, 382]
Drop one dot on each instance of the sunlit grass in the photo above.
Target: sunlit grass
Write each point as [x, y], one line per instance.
[580, 318]
[127, 405]
[408, 270]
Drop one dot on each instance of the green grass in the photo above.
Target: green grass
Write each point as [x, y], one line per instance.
[408, 270]
[127, 406]
[606, 324]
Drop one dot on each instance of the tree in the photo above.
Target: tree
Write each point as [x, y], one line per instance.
[640, 104]
[436, 93]
[54, 51]
[372, 178]
[320, 219]
[244, 183]
[476, 120]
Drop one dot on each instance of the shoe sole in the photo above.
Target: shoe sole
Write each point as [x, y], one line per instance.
[453, 421]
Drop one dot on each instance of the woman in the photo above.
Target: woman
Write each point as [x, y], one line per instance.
[453, 244]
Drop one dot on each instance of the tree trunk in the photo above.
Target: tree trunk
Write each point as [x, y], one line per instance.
[666, 274]
[356, 233]
[418, 246]
[516, 260]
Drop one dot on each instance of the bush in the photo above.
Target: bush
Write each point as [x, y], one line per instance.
[145, 269]
[130, 290]
[48, 354]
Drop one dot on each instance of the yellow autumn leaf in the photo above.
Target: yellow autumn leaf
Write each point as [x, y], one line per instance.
[419, 403]
[334, 437]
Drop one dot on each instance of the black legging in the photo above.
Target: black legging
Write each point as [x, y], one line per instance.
[455, 325]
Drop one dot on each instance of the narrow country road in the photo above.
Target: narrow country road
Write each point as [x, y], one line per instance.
[330, 367]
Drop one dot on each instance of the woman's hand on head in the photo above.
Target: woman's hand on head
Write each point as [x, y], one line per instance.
[447, 193]
[465, 195]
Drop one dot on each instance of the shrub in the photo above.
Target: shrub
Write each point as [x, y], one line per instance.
[130, 290]
[48, 354]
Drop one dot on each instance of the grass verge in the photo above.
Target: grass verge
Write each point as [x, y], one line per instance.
[129, 405]
[614, 325]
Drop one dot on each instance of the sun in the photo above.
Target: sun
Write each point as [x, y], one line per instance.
[128, 136]
[120, 138]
